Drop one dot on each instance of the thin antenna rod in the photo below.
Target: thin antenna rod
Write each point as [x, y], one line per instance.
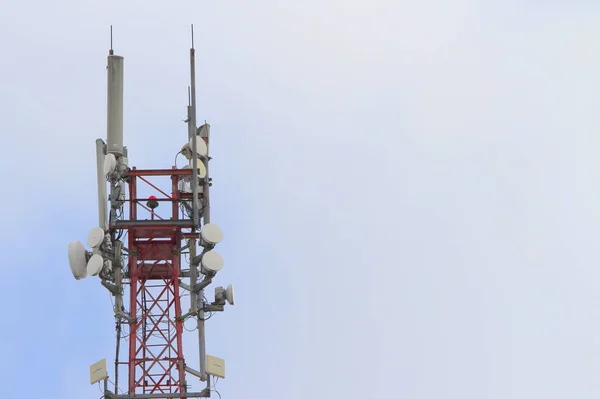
[192, 132]
[192, 36]
[111, 52]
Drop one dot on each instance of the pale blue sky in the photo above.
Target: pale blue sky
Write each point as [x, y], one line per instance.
[408, 190]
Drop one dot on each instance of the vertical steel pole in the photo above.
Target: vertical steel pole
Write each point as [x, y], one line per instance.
[205, 220]
[194, 136]
[133, 288]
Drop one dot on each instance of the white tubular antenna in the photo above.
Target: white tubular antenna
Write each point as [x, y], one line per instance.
[102, 198]
[115, 105]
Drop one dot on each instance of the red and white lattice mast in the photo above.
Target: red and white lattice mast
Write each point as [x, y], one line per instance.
[145, 226]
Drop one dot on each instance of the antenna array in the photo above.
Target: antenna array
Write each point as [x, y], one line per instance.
[137, 249]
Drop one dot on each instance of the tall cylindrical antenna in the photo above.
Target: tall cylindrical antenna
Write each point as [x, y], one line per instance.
[114, 133]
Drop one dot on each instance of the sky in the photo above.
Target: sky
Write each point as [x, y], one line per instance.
[408, 190]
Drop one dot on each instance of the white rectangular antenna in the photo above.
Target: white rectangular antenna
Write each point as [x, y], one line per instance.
[215, 366]
[98, 372]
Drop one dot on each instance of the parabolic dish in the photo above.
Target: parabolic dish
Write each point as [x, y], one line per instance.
[229, 294]
[110, 163]
[212, 261]
[77, 260]
[201, 168]
[94, 265]
[96, 237]
[211, 233]
[201, 148]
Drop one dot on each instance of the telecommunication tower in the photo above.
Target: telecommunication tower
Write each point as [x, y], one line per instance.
[138, 249]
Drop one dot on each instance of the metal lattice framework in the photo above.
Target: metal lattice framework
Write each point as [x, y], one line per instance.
[156, 363]
[147, 264]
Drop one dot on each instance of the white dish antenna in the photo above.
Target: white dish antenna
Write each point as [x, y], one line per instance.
[211, 234]
[94, 265]
[229, 294]
[110, 163]
[212, 261]
[201, 170]
[201, 148]
[96, 237]
[77, 260]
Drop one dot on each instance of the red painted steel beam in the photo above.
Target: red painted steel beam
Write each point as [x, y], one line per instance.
[153, 224]
[159, 172]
